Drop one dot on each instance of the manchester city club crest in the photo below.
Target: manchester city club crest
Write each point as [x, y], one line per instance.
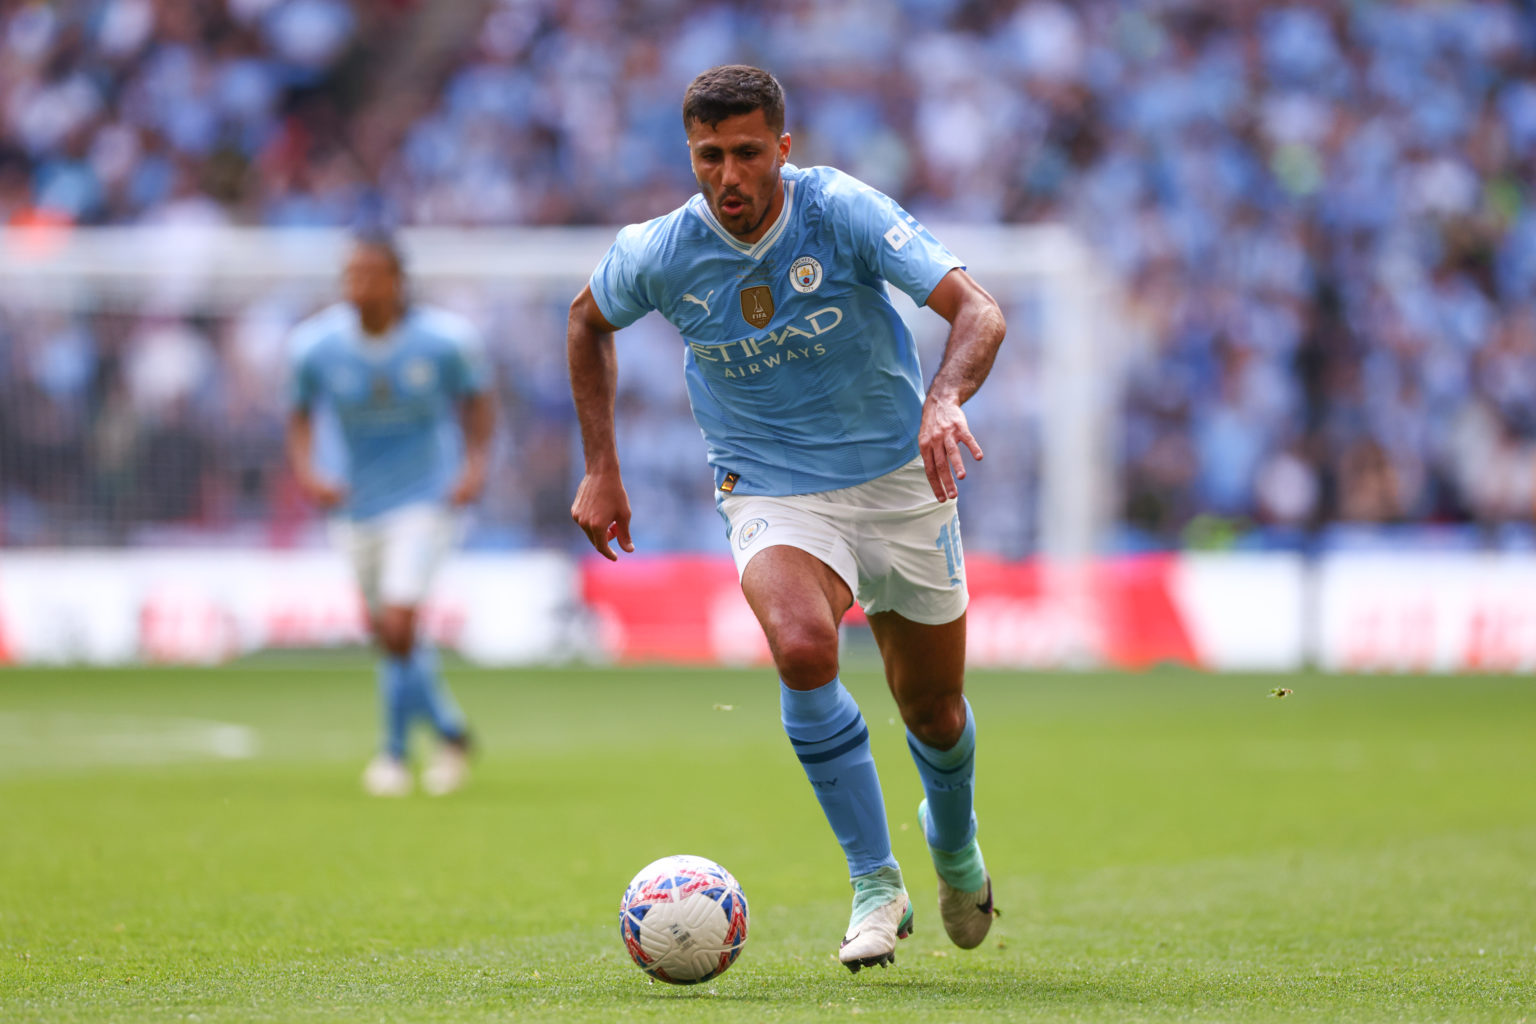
[757, 305]
[750, 531]
[419, 375]
[805, 274]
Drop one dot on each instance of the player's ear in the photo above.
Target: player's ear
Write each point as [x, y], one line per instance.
[784, 142]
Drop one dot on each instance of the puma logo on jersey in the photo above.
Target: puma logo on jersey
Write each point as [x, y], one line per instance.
[702, 302]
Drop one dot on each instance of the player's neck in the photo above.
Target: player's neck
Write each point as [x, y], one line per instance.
[377, 323]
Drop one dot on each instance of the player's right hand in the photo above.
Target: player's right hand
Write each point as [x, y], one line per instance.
[322, 492]
[601, 509]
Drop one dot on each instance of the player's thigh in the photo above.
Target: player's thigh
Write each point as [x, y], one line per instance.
[797, 572]
[913, 588]
[798, 600]
[911, 562]
[786, 584]
[416, 540]
[362, 542]
[757, 526]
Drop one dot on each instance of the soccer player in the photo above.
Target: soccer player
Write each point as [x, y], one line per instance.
[409, 389]
[834, 471]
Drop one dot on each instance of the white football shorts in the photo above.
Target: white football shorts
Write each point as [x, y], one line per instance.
[395, 555]
[894, 544]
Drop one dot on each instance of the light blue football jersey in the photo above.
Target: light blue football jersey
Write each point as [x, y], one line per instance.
[801, 373]
[394, 401]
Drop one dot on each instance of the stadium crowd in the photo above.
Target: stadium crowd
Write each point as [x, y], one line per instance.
[1319, 215]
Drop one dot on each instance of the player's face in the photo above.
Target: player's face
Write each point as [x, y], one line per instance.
[737, 163]
[372, 283]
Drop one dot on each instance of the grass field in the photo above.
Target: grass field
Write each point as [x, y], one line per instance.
[193, 845]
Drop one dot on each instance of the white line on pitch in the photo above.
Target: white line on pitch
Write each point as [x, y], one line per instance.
[59, 740]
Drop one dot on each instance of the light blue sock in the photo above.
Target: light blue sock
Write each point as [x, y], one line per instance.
[433, 696]
[832, 742]
[397, 698]
[949, 782]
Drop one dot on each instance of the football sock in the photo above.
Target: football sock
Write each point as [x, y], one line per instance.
[397, 698]
[433, 696]
[948, 816]
[832, 742]
[964, 869]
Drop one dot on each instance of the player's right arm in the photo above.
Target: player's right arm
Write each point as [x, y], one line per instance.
[301, 456]
[300, 442]
[601, 507]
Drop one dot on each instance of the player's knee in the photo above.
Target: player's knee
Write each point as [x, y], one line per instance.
[936, 721]
[805, 655]
[397, 633]
[396, 643]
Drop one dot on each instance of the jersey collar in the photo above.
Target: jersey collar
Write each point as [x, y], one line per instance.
[374, 348]
[756, 250]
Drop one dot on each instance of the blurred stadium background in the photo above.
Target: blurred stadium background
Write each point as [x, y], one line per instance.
[1269, 397]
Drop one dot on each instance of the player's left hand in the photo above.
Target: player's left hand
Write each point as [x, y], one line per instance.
[469, 486]
[944, 430]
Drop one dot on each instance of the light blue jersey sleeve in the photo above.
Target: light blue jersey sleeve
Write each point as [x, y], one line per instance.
[889, 240]
[303, 368]
[307, 394]
[620, 284]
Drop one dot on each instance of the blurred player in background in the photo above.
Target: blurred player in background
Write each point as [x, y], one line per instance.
[409, 389]
[835, 474]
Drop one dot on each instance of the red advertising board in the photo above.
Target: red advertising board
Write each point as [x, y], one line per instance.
[689, 609]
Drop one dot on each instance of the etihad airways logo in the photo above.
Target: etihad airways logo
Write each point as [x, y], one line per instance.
[749, 356]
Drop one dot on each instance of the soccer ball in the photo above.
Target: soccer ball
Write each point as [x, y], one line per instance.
[683, 919]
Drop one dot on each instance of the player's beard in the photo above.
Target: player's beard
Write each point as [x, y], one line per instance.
[380, 316]
[721, 215]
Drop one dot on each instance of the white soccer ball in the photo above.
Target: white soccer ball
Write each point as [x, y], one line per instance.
[683, 919]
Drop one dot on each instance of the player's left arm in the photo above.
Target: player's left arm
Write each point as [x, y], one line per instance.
[468, 375]
[477, 421]
[976, 329]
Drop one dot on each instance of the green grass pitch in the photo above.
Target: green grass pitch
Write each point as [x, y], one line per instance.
[193, 845]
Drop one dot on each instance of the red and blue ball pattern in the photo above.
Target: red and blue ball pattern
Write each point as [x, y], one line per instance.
[683, 919]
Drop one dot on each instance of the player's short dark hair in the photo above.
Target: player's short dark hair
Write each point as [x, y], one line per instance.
[733, 89]
[385, 243]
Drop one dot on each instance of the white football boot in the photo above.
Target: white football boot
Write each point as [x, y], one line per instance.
[967, 914]
[386, 776]
[448, 771]
[881, 915]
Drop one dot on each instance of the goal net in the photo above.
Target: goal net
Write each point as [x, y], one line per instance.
[143, 379]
